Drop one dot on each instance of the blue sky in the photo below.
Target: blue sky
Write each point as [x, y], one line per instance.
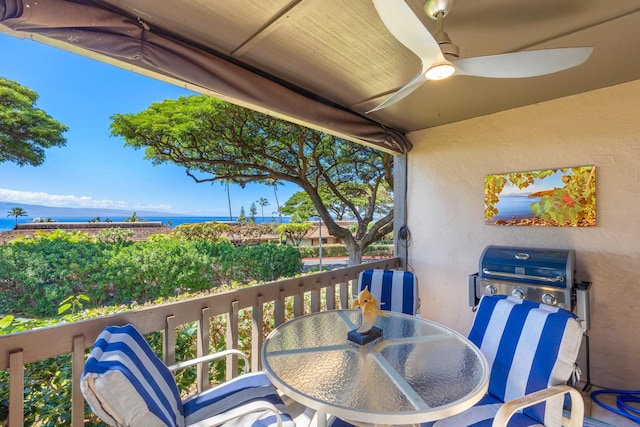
[94, 169]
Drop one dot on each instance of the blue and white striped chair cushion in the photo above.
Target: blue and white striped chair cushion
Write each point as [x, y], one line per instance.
[397, 289]
[126, 384]
[232, 394]
[529, 347]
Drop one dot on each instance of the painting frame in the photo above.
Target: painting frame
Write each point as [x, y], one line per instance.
[554, 197]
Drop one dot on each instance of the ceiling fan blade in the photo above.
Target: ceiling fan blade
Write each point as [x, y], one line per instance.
[523, 64]
[403, 92]
[405, 26]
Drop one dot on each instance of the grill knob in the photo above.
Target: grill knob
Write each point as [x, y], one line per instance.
[490, 290]
[517, 293]
[549, 299]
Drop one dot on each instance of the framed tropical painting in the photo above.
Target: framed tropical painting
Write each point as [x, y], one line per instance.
[562, 197]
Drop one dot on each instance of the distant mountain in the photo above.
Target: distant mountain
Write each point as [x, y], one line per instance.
[58, 212]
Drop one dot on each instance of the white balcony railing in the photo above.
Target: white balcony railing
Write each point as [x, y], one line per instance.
[21, 348]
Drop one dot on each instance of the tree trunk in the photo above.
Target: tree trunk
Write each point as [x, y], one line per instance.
[275, 193]
[355, 252]
[229, 200]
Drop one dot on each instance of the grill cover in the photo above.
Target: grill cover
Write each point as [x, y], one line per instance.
[548, 267]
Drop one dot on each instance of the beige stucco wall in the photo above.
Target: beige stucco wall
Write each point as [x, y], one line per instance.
[446, 204]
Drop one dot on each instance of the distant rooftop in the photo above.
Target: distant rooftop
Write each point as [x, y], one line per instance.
[86, 225]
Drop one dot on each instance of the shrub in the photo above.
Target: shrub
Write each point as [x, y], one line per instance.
[266, 262]
[115, 235]
[211, 231]
[337, 250]
[37, 273]
[158, 267]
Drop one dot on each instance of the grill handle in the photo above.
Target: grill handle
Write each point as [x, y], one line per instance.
[523, 276]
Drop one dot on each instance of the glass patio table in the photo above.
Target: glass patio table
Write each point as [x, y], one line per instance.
[418, 371]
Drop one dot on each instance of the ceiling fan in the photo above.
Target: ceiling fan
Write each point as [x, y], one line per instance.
[439, 55]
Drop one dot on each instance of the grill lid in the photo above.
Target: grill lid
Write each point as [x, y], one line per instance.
[550, 267]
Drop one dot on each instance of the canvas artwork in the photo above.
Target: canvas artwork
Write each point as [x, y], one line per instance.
[563, 197]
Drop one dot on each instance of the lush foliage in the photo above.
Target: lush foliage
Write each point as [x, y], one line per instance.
[294, 232]
[250, 233]
[65, 273]
[301, 208]
[266, 262]
[337, 250]
[25, 131]
[217, 141]
[37, 274]
[212, 231]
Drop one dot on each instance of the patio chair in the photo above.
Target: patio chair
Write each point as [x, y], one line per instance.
[531, 349]
[126, 384]
[397, 289]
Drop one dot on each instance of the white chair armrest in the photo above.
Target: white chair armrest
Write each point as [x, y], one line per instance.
[210, 357]
[238, 412]
[508, 409]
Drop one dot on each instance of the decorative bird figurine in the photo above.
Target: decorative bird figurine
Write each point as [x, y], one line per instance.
[370, 310]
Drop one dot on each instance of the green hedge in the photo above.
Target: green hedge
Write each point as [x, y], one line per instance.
[38, 274]
[341, 250]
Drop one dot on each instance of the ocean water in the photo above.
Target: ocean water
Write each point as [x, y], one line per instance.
[7, 224]
[515, 207]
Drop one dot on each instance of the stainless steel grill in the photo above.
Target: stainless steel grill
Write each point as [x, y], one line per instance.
[541, 275]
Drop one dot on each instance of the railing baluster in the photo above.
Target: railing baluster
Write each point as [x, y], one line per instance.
[278, 309]
[315, 300]
[169, 341]
[298, 301]
[202, 349]
[330, 296]
[344, 294]
[77, 401]
[16, 388]
[257, 334]
[232, 340]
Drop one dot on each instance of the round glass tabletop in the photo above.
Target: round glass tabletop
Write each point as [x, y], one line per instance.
[418, 371]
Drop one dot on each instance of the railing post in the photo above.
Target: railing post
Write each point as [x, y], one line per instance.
[202, 349]
[16, 388]
[232, 340]
[77, 365]
[257, 334]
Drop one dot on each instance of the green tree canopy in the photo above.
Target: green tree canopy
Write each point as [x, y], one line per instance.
[301, 207]
[25, 131]
[217, 141]
[294, 233]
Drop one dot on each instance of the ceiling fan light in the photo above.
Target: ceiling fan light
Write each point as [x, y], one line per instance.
[440, 71]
